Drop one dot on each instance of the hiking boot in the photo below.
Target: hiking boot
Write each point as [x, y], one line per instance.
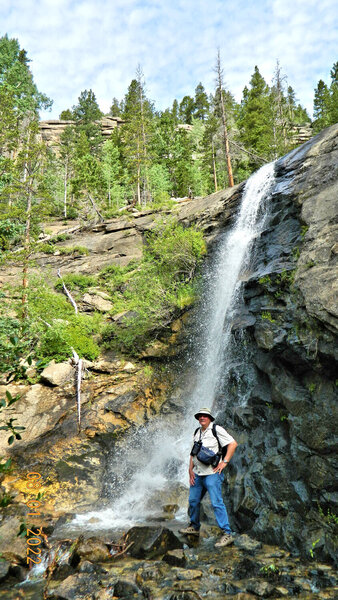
[190, 530]
[225, 540]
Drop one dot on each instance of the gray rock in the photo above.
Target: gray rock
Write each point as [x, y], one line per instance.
[96, 302]
[125, 589]
[149, 542]
[244, 542]
[263, 589]
[93, 550]
[175, 558]
[4, 568]
[57, 374]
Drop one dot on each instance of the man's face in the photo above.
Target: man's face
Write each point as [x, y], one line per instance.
[204, 420]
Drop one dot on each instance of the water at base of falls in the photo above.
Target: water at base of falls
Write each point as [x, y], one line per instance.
[153, 461]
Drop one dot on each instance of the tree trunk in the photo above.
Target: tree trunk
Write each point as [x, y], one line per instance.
[26, 258]
[65, 191]
[224, 121]
[214, 165]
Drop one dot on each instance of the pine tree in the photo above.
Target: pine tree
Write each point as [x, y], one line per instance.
[321, 107]
[334, 94]
[66, 115]
[256, 119]
[201, 104]
[186, 110]
[87, 116]
[137, 135]
[115, 109]
[16, 79]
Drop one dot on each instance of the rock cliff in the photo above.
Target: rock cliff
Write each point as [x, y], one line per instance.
[283, 475]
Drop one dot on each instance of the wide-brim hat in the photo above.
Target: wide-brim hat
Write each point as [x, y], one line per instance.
[204, 411]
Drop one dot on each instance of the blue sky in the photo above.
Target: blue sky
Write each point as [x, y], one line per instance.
[82, 44]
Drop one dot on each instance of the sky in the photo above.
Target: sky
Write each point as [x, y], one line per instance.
[97, 44]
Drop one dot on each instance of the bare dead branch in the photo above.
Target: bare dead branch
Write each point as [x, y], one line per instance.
[68, 294]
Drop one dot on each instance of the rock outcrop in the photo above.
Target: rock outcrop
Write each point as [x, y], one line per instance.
[283, 475]
[52, 129]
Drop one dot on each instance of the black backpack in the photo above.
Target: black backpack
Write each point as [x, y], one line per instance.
[222, 450]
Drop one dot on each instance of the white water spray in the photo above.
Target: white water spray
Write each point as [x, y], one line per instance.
[154, 461]
[224, 285]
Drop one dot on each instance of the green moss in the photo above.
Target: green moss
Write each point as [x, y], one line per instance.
[267, 316]
[265, 280]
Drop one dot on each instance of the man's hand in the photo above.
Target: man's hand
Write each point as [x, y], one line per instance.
[221, 465]
[191, 477]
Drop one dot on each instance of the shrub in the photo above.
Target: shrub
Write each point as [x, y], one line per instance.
[160, 284]
[76, 280]
[58, 327]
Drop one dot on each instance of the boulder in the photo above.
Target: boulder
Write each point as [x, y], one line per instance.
[12, 547]
[96, 302]
[93, 550]
[152, 541]
[4, 568]
[74, 587]
[57, 374]
[244, 542]
[125, 589]
[263, 589]
[175, 558]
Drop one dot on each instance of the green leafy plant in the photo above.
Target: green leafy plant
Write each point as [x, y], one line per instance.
[5, 500]
[296, 253]
[265, 280]
[15, 348]
[267, 316]
[268, 569]
[328, 517]
[9, 426]
[314, 544]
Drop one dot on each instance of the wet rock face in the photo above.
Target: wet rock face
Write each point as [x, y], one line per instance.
[244, 571]
[282, 474]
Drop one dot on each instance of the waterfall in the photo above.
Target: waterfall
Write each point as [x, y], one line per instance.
[145, 469]
[224, 284]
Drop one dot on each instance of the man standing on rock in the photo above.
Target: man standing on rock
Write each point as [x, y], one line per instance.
[208, 478]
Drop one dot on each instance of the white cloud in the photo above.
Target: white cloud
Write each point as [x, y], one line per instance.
[82, 44]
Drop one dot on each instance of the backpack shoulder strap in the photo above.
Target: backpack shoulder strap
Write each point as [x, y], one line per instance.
[196, 430]
[216, 436]
[221, 449]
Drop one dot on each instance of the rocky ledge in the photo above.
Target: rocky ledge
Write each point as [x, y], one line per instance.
[153, 562]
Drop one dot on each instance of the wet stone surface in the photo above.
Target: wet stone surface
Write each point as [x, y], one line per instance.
[243, 571]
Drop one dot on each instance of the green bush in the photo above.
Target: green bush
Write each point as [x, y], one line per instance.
[57, 326]
[151, 293]
[76, 281]
[16, 343]
[57, 342]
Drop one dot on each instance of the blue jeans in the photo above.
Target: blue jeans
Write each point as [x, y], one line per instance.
[213, 485]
